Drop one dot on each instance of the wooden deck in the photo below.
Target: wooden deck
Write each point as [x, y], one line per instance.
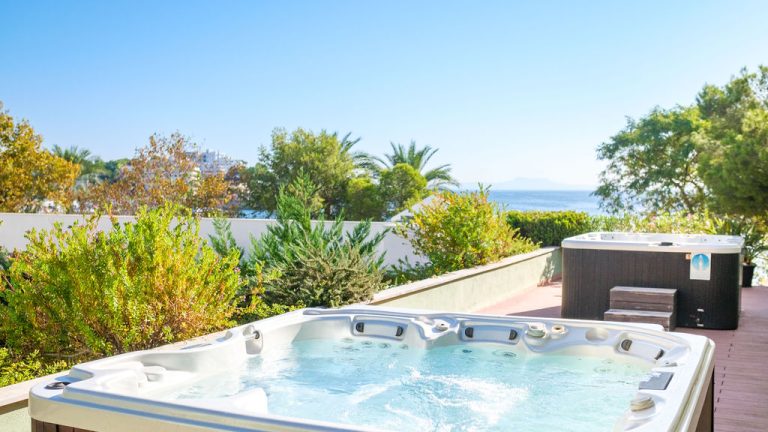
[741, 356]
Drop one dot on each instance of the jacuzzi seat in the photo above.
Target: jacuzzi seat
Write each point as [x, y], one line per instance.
[129, 387]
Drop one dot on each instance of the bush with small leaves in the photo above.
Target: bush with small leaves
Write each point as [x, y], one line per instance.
[17, 369]
[549, 228]
[462, 230]
[82, 291]
[406, 271]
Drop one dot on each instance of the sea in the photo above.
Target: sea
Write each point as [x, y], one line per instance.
[575, 200]
[546, 200]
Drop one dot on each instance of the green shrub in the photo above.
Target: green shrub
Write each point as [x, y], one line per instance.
[5, 261]
[301, 263]
[14, 370]
[251, 305]
[752, 230]
[136, 286]
[461, 230]
[549, 228]
[405, 271]
[673, 222]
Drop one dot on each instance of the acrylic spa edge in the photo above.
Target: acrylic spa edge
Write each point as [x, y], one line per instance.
[104, 394]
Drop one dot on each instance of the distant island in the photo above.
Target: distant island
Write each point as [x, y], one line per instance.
[530, 184]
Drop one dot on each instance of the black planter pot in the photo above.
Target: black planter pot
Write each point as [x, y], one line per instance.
[747, 271]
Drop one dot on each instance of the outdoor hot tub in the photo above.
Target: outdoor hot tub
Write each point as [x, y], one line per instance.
[368, 368]
[704, 269]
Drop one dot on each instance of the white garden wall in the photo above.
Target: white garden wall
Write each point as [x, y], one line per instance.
[15, 225]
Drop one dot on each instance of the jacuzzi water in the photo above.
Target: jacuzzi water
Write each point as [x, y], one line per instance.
[369, 368]
[392, 386]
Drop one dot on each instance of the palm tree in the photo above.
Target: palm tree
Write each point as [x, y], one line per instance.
[91, 170]
[438, 177]
[73, 154]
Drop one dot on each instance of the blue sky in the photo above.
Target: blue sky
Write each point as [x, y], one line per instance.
[504, 89]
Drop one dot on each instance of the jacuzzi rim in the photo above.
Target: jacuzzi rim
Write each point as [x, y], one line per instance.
[728, 245]
[271, 420]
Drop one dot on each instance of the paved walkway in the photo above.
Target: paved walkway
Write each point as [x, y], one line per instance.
[741, 356]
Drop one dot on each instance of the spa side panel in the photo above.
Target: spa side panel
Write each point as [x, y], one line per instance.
[589, 275]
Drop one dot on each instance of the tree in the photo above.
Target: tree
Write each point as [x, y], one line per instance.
[437, 178]
[164, 171]
[400, 187]
[363, 200]
[73, 154]
[734, 160]
[92, 170]
[325, 158]
[652, 164]
[396, 189]
[30, 174]
[113, 169]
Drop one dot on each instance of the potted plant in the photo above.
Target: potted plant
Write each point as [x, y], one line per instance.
[755, 243]
[754, 246]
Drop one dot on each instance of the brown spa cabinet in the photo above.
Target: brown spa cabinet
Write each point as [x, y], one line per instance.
[704, 269]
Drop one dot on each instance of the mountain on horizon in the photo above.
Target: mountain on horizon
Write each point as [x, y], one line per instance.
[530, 184]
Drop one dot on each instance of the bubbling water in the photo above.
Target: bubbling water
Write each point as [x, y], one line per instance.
[390, 386]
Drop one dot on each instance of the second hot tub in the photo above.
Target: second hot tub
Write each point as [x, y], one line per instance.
[704, 269]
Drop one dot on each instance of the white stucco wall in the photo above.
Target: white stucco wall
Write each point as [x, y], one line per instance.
[15, 225]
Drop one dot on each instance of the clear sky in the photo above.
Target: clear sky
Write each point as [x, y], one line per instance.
[504, 89]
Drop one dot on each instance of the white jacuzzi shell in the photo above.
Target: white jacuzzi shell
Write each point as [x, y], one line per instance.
[115, 393]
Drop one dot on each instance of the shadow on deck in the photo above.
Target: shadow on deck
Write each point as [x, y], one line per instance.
[741, 381]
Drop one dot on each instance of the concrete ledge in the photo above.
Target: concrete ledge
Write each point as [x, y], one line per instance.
[477, 287]
[13, 403]
[19, 392]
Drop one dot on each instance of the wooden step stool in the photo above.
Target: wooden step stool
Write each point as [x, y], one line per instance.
[643, 305]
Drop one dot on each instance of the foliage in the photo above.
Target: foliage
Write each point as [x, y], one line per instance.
[15, 370]
[5, 262]
[397, 188]
[301, 263]
[711, 154]
[405, 271]
[85, 292]
[662, 222]
[400, 187]
[211, 195]
[92, 170]
[549, 228]
[325, 158]
[437, 178]
[30, 174]
[735, 151]
[163, 172]
[113, 168]
[250, 302]
[752, 230]
[652, 164]
[461, 230]
[363, 199]
[223, 241]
